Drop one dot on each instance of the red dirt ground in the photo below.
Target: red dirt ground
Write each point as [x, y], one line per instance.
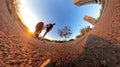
[99, 48]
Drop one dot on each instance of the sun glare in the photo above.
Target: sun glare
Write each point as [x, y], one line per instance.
[29, 19]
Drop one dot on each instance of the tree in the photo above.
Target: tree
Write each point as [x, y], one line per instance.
[16, 4]
[85, 30]
[65, 32]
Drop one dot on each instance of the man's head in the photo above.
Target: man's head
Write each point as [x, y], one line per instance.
[53, 24]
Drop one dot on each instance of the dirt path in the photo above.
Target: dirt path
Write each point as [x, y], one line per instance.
[97, 49]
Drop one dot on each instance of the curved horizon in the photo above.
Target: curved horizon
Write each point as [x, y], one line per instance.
[63, 14]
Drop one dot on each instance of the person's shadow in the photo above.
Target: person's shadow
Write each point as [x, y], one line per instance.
[97, 53]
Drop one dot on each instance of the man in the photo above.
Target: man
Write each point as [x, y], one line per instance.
[38, 29]
[48, 28]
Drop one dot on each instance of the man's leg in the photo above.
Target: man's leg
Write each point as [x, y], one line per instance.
[36, 34]
[45, 34]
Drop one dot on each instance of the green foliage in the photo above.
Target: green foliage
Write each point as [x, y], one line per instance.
[16, 4]
[71, 40]
[83, 31]
[13, 4]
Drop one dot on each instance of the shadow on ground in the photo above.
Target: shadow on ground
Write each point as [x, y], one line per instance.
[97, 53]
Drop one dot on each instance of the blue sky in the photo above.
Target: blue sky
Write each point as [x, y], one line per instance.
[61, 12]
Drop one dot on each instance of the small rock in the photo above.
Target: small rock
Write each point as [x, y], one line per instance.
[118, 38]
[118, 57]
[103, 62]
[30, 61]
[14, 62]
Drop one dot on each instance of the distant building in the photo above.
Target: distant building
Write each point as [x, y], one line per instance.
[90, 20]
[83, 2]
